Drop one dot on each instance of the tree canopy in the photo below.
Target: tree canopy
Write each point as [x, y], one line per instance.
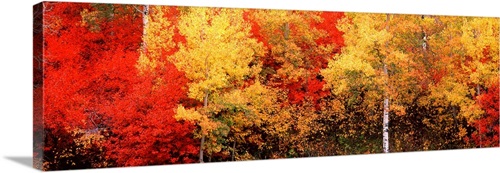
[133, 85]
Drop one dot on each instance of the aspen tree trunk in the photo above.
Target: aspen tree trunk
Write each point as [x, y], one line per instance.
[286, 33]
[478, 88]
[386, 120]
[385, 129]
[205, 104]
[145, 20]
[234, 150]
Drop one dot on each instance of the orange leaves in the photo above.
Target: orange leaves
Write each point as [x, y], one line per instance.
[127, 88]
[430, 79]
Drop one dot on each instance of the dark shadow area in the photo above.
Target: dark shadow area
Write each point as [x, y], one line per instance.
[23, 160]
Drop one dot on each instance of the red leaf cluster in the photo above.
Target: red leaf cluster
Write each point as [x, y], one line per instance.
[91, 84]
[488, 125]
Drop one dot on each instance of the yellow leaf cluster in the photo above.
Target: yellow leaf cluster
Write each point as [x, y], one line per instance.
[480, 35]
[365, 39]
[156, 39]
[182, 113]
[217, 51]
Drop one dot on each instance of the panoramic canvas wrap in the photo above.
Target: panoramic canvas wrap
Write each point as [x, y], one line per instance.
[132, 85]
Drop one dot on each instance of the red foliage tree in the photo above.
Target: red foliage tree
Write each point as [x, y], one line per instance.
[143, 130]
[310, 86]
[488, 125]
[65, 73]
[92, 88]
[329, 24]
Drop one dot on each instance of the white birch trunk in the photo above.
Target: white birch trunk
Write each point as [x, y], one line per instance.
[386, 126]
[145, 20]
[478, 88]
[385, 129]
[205, 104]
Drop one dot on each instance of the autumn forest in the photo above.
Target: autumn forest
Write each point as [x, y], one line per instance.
[131, 85]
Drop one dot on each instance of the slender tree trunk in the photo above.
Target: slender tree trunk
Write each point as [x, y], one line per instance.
[386, 125]
[205, 104]
[286, 30]
[286, 33]
[234, 150]
[201, 148]
[145, 21]
[145, 18]
[478, 88]
[385, 130]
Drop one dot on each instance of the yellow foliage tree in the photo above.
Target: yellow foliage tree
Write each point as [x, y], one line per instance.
[216, 57]
[158, 31]
[427, 67]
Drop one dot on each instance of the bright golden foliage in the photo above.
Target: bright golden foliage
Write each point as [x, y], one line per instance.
[157, 39]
